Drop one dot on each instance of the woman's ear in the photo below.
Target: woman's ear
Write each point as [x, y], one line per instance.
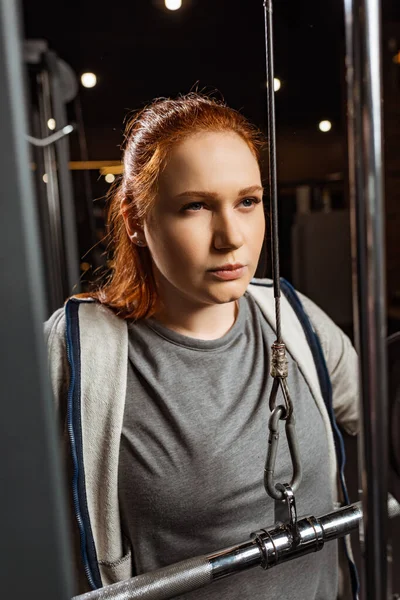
[134, 229]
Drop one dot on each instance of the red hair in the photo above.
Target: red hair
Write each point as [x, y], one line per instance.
[130, 289]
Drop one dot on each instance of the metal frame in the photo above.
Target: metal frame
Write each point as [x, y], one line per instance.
[64, 177]
[55, 199]
[366, 173]
[32, 510]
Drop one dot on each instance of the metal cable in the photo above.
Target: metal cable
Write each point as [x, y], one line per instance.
[279, 365]
[269, 49]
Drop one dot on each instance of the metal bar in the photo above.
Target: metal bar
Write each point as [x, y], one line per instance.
[83, 148]
[33, 531]
[50, 139]
[363, 58]
[68, 213]
[55, 267]
[267, 548]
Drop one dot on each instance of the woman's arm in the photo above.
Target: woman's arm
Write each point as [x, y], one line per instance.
[342, 363]
[54, 331]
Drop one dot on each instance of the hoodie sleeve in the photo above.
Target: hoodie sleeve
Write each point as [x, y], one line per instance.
[342, 362]
[54, 332]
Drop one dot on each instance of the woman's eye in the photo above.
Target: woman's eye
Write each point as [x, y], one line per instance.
[249, 202]
[197, 206]
[193, 206]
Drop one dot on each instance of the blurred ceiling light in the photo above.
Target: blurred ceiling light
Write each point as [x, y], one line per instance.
[277, 84]
[45, 178]
[173, 4]
[51, 124]
[88, 80]
[110, 177]
[325, 126]
[396, 58]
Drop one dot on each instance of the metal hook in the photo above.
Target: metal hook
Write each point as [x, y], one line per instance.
[278, 414]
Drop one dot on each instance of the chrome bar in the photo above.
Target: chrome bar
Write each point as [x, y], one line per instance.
[234, 559]
[50, 139]
[267, 548]
[364, 88]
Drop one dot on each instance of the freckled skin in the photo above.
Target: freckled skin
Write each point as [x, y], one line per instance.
[185, 244]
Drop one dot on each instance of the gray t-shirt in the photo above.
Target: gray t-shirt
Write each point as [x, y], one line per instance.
[192, 456]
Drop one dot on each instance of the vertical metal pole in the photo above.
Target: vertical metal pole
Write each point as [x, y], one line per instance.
[68, 215]
[32, 512]
[363, 57]
[53, 229]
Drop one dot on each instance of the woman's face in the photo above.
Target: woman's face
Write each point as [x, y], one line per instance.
[208, 213]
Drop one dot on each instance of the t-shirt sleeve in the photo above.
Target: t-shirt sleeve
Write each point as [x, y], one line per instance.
[342, 362]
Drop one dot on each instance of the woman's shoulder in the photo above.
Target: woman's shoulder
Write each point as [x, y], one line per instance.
[91, 315]
[87, 332]
[54, 327]
[323, 325]
[340, 356]
[331, 336]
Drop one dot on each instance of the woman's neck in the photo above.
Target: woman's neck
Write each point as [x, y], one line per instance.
[204, 323]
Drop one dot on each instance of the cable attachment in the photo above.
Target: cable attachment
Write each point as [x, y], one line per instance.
[281, 383]
[275, 491]
[285, 510]
[279, 363]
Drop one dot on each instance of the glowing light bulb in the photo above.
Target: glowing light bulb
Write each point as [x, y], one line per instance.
[51, 124]
[88, 80]
[173, 4]
[277, 84]
[325, 126]
[45, 178]
[109, 178]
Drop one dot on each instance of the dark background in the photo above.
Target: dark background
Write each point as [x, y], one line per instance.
[140, 50]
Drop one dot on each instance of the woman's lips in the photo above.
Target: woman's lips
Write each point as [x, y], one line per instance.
[228, 275]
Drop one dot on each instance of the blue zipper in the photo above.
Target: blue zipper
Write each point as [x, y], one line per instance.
[75, 493]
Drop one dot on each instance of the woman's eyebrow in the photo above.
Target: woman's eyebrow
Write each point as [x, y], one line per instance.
[214, 195]
[250, 190]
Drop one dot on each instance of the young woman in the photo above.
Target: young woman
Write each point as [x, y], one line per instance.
[162, 375]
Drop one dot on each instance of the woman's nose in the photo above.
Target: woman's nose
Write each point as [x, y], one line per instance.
[227, 233]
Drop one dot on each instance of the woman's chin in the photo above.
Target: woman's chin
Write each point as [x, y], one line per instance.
[228, 292]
